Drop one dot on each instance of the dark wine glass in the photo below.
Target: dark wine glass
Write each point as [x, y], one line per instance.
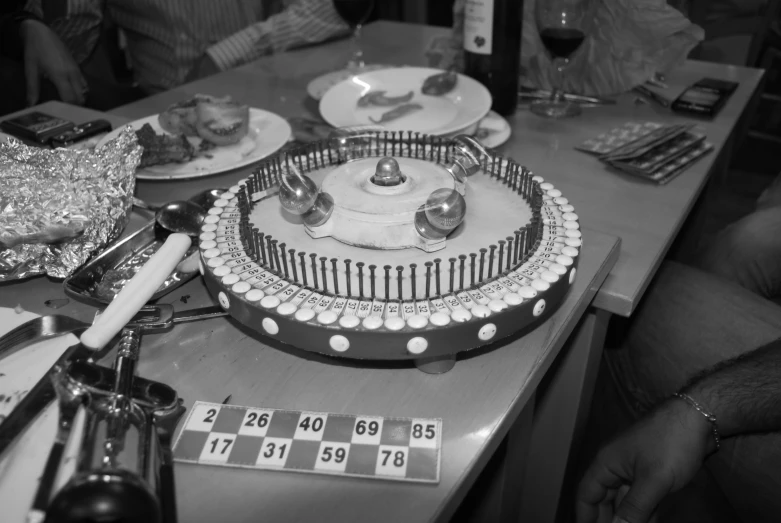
[355, 13]
[562, 25]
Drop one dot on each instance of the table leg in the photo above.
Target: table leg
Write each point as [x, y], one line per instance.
[494, 496]
[563, 402]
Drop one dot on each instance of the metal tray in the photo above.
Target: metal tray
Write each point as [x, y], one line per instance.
[97, 281]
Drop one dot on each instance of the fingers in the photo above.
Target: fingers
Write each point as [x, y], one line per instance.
[643, 497]
[597, 486]
[79, 86]
[32, 81]
[68, 92]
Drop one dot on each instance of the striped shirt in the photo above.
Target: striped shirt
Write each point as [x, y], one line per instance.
[167, 38]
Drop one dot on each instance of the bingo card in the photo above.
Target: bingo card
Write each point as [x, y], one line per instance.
[405, 449]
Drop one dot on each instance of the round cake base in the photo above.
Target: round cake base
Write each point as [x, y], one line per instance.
[405, 304]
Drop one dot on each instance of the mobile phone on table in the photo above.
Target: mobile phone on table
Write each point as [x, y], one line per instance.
[80, 133]
[36, 126]
[705, 97]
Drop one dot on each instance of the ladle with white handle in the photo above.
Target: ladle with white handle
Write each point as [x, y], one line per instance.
[182, 219]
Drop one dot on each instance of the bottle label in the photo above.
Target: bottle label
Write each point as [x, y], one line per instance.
[478, 26]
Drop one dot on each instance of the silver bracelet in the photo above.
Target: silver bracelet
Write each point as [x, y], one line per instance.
[710, 417]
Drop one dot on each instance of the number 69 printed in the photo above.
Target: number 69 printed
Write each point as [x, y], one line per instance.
[367, 430]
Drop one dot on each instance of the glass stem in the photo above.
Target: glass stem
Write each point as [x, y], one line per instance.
[357, 59]
[557, 94]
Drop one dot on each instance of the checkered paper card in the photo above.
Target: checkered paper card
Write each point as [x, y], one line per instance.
[649, 150]
[403, 449]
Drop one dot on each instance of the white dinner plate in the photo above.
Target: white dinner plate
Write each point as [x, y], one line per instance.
[459, 109]
[268, 132]
[21, 466]
[320, 85]
[493, 130]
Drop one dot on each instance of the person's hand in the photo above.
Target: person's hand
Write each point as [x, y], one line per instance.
[656, 456]
[203, 68]
[46, 55]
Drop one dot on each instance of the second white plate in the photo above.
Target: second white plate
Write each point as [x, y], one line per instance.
[268, 132]
[459, 109]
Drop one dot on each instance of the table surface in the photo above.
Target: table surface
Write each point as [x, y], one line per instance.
[646, 217]
[478, 400]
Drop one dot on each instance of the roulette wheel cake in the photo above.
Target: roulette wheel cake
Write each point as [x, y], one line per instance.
[390, 246]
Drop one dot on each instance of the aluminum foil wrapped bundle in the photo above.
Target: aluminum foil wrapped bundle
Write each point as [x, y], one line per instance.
[59, 206]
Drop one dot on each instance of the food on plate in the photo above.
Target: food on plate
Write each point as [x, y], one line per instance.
[163, 148]
[222, 122]
[380, 99]
[440, 83]
[180, 118]
[397, 112]
[195, 127]
[219, 120]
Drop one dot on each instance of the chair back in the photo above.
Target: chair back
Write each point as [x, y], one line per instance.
[754, 25]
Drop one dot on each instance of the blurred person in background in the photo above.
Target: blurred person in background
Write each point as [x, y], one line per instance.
[172, 42]
[23, 39]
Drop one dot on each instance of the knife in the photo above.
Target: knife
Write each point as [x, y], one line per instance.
[525, 94]
[151, 317]
[125, 305]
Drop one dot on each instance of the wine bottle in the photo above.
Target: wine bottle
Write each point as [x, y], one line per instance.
[492, 48]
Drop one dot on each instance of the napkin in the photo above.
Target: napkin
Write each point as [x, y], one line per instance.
[627, 43]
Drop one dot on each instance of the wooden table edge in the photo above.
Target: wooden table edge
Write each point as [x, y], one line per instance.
[527, 391]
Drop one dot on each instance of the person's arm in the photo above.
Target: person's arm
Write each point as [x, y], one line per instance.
[12, 14]
[662, 452]
[300, 23]
[54, 52]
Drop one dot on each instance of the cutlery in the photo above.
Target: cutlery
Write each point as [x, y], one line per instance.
[70, 396]
[539, 94]
[108, 484]
[81, 380]
[652, 95]
[152, 317]
[126, 304]
[165, 422]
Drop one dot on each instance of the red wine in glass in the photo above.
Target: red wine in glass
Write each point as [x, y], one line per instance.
[562, 25]
[561, 42]
[354, 12]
